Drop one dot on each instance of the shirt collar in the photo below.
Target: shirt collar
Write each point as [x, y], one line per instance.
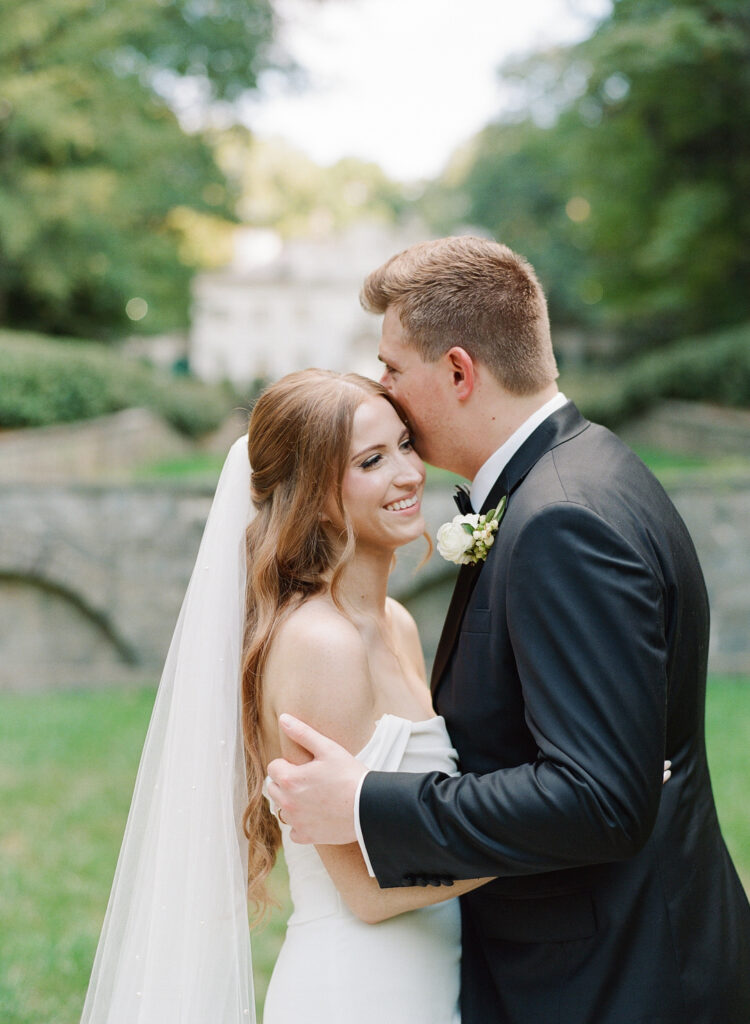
[490, 470]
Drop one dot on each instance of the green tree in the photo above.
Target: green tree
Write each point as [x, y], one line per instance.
[666, 163]
[93, 160]
[626, 180]
[280, 187]
[515, 181]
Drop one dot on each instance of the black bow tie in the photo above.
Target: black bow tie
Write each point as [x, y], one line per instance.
[462, 500]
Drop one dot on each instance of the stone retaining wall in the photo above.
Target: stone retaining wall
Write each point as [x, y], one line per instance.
[692, 428]
[105, 448]
[91, 577]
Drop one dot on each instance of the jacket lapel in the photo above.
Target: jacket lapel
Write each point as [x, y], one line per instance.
[465, 583]
[563, 424]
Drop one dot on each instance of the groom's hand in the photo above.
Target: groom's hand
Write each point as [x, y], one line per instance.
[316, 798]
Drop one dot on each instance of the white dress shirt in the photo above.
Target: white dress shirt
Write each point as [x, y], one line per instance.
[490, 470]
[481, 486]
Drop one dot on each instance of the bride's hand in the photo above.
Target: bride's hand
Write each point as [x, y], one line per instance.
[316, 798]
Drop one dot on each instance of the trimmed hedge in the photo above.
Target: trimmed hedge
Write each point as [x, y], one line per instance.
[45, 381]
[712, 368]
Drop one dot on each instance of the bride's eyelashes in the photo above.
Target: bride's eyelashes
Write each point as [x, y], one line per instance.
[407, 445]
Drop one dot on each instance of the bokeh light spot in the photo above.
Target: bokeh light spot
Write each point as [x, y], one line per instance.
[578, 209]
[136, 308]
[616, 87]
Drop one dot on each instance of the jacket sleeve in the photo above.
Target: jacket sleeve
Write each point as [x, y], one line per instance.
[585, 616]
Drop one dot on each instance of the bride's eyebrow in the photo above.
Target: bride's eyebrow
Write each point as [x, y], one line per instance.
[367, 450]
[405, 433]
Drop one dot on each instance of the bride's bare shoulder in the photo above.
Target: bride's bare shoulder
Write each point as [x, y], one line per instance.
[317, 669]
[317, 629]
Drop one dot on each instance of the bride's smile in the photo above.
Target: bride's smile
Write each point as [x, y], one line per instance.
[382, 486]
[404, 504]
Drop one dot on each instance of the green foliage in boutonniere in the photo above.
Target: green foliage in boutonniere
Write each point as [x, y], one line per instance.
[467, 539]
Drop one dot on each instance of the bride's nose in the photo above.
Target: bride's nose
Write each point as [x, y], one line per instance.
[410, 471]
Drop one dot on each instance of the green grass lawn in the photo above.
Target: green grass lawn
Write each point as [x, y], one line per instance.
[67, 767]
[199, 467]
[674, 467]
[671, 467]
[204, 468]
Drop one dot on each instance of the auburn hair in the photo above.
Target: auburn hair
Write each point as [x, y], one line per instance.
[474, 293]
[298, 442]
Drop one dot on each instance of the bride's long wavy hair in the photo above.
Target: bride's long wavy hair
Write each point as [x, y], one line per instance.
[299, 440]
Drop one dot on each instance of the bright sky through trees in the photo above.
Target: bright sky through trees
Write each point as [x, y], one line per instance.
[403, 82]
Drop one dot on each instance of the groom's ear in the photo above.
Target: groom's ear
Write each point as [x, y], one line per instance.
[461, 367]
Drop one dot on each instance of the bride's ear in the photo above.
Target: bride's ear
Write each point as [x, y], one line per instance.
[462, 371]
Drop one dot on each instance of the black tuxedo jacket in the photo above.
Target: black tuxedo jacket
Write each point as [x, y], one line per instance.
[572, 662]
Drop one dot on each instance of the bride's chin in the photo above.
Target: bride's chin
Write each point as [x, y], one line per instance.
[416, 530]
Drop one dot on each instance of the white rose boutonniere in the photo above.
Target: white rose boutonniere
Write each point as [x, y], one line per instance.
[467, 539]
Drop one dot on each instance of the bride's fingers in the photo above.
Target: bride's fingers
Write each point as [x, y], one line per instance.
[667, 771]
[281, 781]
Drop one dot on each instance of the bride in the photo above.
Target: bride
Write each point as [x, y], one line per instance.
[286, 611]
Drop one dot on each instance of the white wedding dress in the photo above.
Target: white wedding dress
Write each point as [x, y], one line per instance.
[332, 968]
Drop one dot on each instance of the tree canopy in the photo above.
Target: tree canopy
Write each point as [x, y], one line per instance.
[93, 160]
[280, 187]
[624, 176]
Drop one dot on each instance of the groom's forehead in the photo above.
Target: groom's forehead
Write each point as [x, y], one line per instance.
[394, 346]
[388, 352]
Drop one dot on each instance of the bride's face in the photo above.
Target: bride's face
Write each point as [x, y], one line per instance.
[384, 478]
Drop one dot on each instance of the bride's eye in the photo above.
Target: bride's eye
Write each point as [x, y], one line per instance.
[370, 462]
[407, 445]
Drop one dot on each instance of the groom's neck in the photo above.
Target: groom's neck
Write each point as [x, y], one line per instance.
[488, 422]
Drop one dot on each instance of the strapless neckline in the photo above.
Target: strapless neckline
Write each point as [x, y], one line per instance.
[390, 738]
[435, 723]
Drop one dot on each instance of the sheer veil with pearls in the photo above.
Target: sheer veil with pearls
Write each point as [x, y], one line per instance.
[175, 944]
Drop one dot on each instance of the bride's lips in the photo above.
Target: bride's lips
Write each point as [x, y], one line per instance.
[412, 501]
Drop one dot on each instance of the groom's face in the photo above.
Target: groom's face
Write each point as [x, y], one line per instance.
[417, 386]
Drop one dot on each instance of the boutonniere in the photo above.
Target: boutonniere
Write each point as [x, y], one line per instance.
[467, 539]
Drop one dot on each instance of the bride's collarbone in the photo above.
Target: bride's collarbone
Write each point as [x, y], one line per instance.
[399, 690]
[398, 686]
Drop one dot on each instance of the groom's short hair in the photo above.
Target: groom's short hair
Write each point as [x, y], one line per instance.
[475, 293]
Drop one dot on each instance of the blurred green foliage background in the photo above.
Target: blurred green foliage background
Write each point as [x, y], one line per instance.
[93, 159]
[622, 171]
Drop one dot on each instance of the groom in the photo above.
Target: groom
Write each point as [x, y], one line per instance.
[572, 662]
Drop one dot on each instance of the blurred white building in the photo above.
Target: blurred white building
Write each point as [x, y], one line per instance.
[283, 306]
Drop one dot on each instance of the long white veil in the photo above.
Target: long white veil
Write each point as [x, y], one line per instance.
[175, 945]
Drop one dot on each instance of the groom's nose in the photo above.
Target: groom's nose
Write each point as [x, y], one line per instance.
[385, 380]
